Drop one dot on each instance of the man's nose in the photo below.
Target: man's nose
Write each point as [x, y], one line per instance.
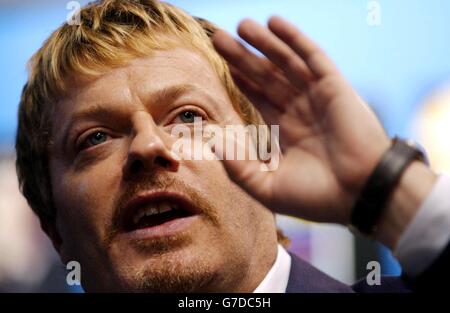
[148, 149]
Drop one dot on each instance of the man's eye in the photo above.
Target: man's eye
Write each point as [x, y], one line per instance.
[95, 139]
[188, 116]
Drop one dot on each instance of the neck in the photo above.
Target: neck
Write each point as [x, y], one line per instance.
[264, 254]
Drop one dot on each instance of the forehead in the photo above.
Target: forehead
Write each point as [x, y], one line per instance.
[142, 77]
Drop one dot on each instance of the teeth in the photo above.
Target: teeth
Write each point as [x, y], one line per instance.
[164, 207]
[154, 210]
[151, 211]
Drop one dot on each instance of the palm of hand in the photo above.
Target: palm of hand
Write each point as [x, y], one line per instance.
[330, 139]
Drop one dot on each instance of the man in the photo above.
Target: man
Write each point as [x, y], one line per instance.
[95, 159]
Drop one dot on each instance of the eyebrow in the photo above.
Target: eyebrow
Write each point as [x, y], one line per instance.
[171, 93]
[160, 97]
[95, 111]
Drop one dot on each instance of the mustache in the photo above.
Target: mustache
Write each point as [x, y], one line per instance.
[158, 182]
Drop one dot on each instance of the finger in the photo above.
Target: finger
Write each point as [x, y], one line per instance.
[276, 51]
[251, 175]
[311, 53]
[253, 92]
[256, 69]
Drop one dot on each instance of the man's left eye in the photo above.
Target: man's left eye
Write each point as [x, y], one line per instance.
[188, 116]
[94, 139]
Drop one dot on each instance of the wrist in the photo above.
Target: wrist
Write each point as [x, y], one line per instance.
[379, 187]
[414, 185]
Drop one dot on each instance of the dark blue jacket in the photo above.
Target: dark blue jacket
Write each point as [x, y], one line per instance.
[306, 278]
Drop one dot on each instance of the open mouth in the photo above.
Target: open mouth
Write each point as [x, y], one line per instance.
[155, 214]
[154, 210]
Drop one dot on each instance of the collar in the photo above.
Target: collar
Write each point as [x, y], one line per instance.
[277, 278]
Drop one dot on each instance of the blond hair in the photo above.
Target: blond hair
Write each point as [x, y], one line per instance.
[110, 34]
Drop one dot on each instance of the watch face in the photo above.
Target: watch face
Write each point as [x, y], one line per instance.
[433, 128]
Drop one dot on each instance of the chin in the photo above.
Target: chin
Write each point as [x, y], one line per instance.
[170, 273]
[180, 266]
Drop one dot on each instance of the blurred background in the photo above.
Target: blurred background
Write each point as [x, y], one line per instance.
[396, 53]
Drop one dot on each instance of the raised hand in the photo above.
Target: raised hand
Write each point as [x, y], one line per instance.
[330, 139]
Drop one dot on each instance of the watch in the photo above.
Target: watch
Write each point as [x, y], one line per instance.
[375, 194]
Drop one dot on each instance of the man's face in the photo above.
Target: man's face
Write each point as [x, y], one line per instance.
[113, 177]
